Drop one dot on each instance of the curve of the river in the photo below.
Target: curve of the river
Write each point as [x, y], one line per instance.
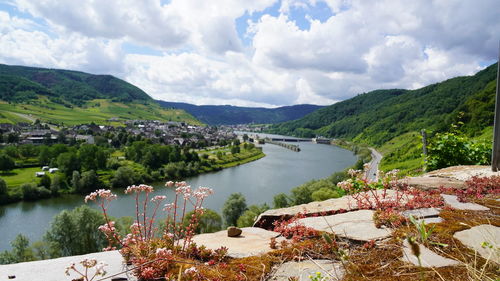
[259, 181]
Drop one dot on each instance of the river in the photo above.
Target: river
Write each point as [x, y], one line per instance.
[259, 181]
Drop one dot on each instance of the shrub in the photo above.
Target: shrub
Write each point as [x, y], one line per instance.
[233, 208]
[6, 162]
[208, 222]
[123, 177]
[280, 200]
[30, 191]
[76, 232]
[453, 148]
[3, 187]
[248, 217]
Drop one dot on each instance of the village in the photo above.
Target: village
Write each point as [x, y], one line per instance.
[172, 133]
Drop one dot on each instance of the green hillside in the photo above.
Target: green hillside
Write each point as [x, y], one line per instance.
[390, 119]
[72, 97]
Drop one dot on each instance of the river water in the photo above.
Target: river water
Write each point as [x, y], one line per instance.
[280, 171]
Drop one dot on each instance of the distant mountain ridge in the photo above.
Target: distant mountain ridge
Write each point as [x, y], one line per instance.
[232, 115]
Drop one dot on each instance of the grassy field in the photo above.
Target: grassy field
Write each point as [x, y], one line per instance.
[404, 153]
[16, 177]
[98, 111]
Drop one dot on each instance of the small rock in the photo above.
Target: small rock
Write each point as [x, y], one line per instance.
[485, 239]
[428, 257]
[12, 276]
[452, 200]
[233, 231]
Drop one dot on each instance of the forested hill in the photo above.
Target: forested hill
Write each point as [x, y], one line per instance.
[379, 116]
[66, 97]
[21, 83]
[230, 115]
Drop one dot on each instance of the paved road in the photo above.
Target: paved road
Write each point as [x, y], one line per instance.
[372, 171]
[33, 119]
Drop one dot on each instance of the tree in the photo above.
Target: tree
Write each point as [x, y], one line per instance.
[68, 162]
[124, 176]
[89, 182]
[249, 216]
[235, 149]
[208, 222]
[233, 208]
[45, 181]
[12, 138]
[6, 162]
[44, 155]
[56, 185]
[3, 188]
[280, 200]
[87, 156]
[75, 181]
[21, 251]
[76, 232]
[29, 191]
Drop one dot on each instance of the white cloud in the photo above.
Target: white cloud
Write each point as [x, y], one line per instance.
[146, 22]
[36, 48]
[365, 45]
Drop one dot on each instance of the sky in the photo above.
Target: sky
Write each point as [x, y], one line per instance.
[255, 52]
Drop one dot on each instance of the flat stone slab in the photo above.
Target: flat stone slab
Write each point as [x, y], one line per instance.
[422, 213]
[428, 257]
[463, 173]
[302, 270]
[430, 220]
[426, 182]
[476, 237]
[253, 241]
[356, 225]
[347, 203]
[452, 200]
[53, 269]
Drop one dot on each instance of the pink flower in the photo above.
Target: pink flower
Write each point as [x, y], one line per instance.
[139, 188]
[185, 190]
[163, 253]
[202, 192]
[168, 207]
[101, 193]
[158, 198]
[180, 184]
[108, 228]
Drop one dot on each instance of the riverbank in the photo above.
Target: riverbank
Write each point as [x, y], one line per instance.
[211, 160]
[259, 181]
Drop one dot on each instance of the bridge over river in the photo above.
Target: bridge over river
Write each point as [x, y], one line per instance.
[288, 138]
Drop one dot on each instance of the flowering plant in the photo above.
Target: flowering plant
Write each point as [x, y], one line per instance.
[152, 250]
